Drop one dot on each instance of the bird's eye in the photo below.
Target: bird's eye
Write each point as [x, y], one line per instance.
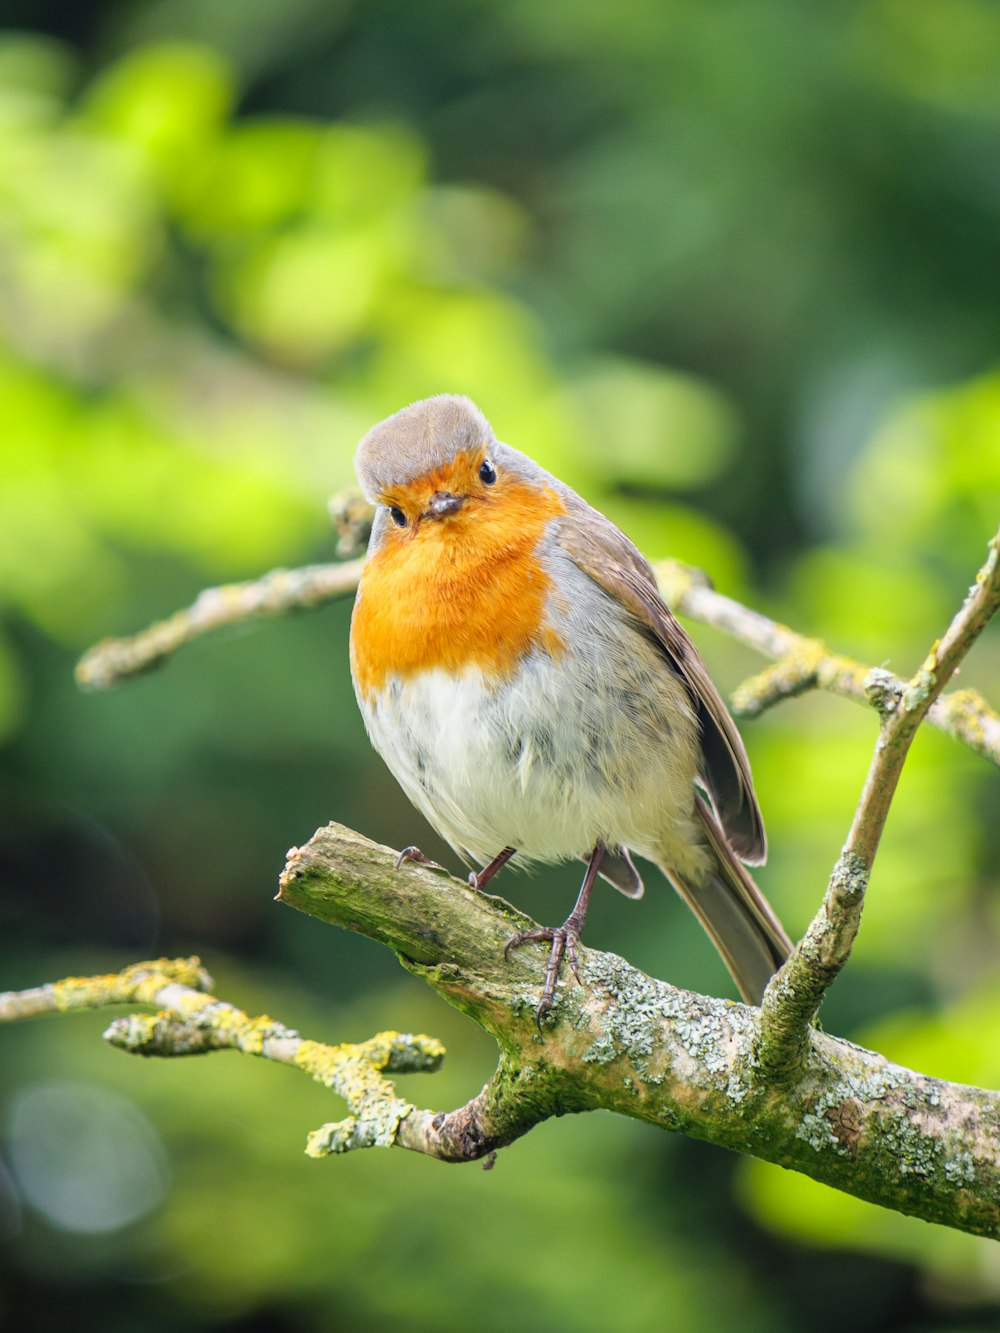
[398, 517]
[487, 472]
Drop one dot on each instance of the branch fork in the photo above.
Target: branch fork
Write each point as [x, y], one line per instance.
[761, 1081]
[794, 995]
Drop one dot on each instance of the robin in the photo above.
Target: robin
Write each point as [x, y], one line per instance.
[533, 695]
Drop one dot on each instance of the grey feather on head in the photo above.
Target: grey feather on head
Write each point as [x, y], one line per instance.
[417, 439]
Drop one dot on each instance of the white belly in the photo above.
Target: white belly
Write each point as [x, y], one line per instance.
[568, 753]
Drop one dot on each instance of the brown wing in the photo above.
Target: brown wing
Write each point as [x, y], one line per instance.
[611, 560]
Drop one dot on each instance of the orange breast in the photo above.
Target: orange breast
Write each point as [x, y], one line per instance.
[466, 590]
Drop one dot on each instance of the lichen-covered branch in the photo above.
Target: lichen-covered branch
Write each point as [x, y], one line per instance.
[190, 1021]
[619, 1041]
[141, 983]
[112, 661]
[193, 1024]
[794, 995]
[762, 1081]
[802, 663]
[628, 1043]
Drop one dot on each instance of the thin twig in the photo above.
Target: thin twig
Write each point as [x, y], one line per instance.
[802, 663]
[138, 984]
[112, 661]
[194, 1024]
[190, 1021]
[795, 994]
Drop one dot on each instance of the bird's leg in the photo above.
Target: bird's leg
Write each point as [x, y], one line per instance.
[479, 879]
[415, 855]
[563, 939]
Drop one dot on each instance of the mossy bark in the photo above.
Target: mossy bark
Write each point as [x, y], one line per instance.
[628, 1043]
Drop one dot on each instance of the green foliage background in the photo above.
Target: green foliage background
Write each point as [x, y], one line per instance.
[730, 270]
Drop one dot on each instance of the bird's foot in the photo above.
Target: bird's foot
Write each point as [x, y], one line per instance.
[415, 855]
[563, 940]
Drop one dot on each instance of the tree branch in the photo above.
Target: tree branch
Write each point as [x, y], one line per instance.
[762, 1081]
[141, 983]
[796, 992]
[620, 1041]
[190, 1021]
[802, 663]
[640, 1047]
[112, 661]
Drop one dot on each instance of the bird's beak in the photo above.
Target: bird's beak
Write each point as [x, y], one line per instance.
[442, 503]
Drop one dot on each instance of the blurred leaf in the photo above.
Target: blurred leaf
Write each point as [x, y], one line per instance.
[167, 102]
[256, 177]
[36, 74]
[306, 292]
[930, 480]
[875, 605]
[649, 427]
[363, 172]
[675, 531]
[472, 233]
[937, 53]
[12, 692]
[473, 340]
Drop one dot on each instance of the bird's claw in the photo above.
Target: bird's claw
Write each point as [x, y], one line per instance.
[415, 855]
[563, 940]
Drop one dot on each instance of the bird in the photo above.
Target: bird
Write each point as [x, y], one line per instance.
[525, 683]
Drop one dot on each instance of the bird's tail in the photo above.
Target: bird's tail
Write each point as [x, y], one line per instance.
[735, 914]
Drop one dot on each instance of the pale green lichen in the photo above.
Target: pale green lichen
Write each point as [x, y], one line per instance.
[354, 1072]
[905, 1146]
[133, 1032]
[702, 1035]
[634, 1020]
[601, 1051]
[816, 1127]
[894, 1138]
[792, 674]
[376, 1127]
[967, 715]
[337, 1136]
[921, 687]
[882, 690]
[841, 675]
[818, 1124]
[967, 711]
[648, 1018]
[137, 984]
[960, 1169]
[407, 1052]
[849, 879]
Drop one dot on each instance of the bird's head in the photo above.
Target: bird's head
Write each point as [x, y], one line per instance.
[432, 461]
